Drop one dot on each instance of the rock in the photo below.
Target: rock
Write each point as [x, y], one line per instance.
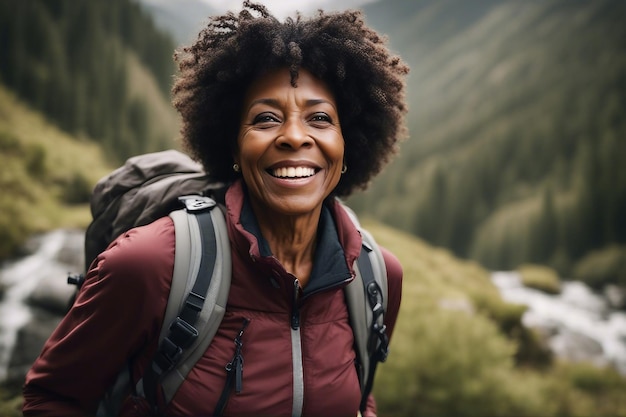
[52, 294]
[72, 253]
[576, 347]
[30, 341]
[615, 296]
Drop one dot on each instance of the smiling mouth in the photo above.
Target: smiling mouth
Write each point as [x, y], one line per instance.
[292, 172]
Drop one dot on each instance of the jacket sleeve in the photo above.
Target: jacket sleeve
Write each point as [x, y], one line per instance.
[394, 285]
[117, 313]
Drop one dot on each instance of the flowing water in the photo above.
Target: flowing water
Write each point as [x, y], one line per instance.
[21, 277]
[580, 324]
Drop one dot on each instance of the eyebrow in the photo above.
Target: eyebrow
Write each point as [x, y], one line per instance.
[275, 103]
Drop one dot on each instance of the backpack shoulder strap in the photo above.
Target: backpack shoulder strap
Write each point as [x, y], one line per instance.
[367, 303]
[198, 296]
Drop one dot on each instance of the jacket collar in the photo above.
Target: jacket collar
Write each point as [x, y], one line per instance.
[339, 242]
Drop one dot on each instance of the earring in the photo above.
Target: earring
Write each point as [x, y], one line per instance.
[344, 169]
[236, 168]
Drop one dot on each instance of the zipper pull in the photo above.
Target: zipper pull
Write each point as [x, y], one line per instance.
[238, 373]
[295, 311]
[236, 364]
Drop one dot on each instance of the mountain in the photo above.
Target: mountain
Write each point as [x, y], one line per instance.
[517, 118]
[517, 113]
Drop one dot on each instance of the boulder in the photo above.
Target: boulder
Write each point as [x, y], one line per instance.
[30, 340]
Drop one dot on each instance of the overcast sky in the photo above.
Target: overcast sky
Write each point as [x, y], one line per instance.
[284, 8]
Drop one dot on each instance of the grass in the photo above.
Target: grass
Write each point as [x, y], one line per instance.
[46, 175]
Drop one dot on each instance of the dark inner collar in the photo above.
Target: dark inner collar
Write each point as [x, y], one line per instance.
[329, 266]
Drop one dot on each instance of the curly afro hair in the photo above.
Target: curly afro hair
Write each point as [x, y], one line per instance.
[233, 50]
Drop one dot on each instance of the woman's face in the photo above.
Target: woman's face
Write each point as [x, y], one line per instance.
[290, 146]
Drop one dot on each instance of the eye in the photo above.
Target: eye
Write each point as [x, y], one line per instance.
[321, 118]
[265, 119]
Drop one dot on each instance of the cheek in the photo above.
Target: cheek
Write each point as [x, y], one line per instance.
[335, 151]
[248, 149]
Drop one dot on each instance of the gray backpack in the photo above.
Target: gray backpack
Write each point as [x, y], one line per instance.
[150, 186]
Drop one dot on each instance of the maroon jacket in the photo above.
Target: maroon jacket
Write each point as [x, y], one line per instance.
[120, 308]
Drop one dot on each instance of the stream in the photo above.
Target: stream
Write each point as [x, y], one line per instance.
[579, 323]
[40, 276]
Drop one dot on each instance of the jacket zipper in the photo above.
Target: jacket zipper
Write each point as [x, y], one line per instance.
[234, 372]
[296, 354]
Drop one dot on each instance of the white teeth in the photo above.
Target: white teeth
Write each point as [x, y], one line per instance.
[293, 172]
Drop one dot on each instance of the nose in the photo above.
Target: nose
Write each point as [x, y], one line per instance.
[294, 135]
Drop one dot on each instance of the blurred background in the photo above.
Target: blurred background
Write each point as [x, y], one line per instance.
[506, 205]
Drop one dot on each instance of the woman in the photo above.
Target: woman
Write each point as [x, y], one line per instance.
[291, 115]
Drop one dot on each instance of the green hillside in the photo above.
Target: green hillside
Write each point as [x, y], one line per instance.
[46, 175]
[99, 69]
[83, 85]
[517, 122]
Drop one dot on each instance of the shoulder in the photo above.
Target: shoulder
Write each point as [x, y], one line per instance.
[394, 274]
[393, 265]
[143, 243]
[138, 256]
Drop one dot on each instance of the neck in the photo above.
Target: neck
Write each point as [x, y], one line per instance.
[292, 240]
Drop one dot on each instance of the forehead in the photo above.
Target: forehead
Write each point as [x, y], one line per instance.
[277, 84]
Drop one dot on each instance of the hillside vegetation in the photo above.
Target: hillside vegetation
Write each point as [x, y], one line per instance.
[83, 86]
[99, 69]
[517, 122]
[46, 175]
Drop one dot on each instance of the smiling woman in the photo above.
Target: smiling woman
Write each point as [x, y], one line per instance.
[290, 151]
[289, 116]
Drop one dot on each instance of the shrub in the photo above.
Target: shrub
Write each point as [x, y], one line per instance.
[541, 278]
[531, 349]
[450, 363]
[602, 267]
[77, 189]
[35, 156]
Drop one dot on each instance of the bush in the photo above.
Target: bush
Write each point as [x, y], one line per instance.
[35, 156]
[13, 230]
[602, 267]
[451, 363]
[531, 349]
[541, 278]
[16, 200]
[77, 189]
[583, 389]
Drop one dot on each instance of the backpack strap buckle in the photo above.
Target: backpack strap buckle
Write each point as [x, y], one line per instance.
[181, 336]
[197, 203]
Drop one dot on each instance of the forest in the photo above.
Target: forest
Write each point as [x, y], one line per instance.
[517, 126]
[100, 70]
